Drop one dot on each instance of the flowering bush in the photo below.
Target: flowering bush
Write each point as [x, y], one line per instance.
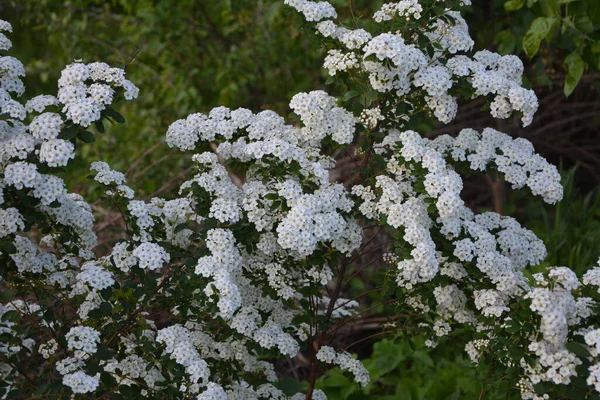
[206, 290]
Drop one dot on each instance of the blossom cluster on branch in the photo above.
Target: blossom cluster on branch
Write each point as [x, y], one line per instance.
[205, 290]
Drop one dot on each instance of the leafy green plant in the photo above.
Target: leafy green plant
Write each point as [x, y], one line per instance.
[410, 371]
[567, 30]
[251, 263]
[571, 230]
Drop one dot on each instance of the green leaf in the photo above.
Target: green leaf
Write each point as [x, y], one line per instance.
[11, 315]
[8, 247]
[575, 66]
[578, 349]
[540, 29]
[514, 5]
[289, 385]
[372, 95]
[507, 42]
[100, 126]
[126, 391]
[350, 95]
[70, 132]
[110, 112]
[86, 136]
[180, 227]
[514, 328]
[103, 352]
[42, 389]
[6, 295]
[584, 24]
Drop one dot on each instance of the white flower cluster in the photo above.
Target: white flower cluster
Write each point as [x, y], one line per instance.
[491, 302]
[39, 103]
[11, 221]
[345, 362]
[321, 118]
[133, 368]
[214, 179]
[370, 117]
[40, 142]
[592, 339]
[12, 71]
[451, 303]
[56, 152]
[592, 277]
[491, 74]
[475, 348]
[315, 218]
[222, 265]
[394, 64]
[515, 158]
[240, 255]
[213, 392]
[496, 246]
[83, 340]
[80, 382]
[337, 61]
[404, 8]
[84, 101]
[453, 37]
[159, 221]
[312, 10]
[95, 276]
[150, 255]
[554, 366]
[71, 210]
[48, 349]
[46, 126]
[179, 345]
[594, 377]
[405, 60]
[105, 175]
[352, 39]
[19, 345]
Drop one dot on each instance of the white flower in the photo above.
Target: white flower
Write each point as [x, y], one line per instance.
[151, 255]
[80, 382]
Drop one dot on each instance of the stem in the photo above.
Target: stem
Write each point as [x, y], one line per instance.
[360, 313]
[314, 348]
[124, 219]
[359, 270]
[358, 297]
[313, 374]
[367, 338]
[140, 308]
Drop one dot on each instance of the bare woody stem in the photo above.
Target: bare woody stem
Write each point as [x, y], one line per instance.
[323, 335]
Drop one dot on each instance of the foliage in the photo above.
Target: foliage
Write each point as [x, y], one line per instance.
[572, 229]
[400, 370]
[568, 31]
[410, 370]
[251, 262]
[232, 53]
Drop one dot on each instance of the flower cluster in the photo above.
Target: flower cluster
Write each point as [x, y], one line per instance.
[406, 8]
[250, 260]
[394, 62]
[345, 362]
[87, 90]
[180, 347]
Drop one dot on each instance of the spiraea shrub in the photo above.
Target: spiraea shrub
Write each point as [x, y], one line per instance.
[207, 290]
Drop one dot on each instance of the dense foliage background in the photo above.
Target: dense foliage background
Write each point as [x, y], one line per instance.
[189, 56]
